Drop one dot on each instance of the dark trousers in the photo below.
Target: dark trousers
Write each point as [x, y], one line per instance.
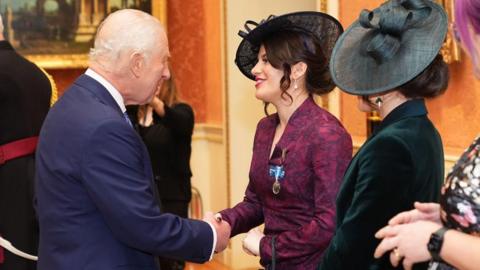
[18, 223]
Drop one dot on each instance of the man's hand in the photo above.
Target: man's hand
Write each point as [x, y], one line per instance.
[222, 228]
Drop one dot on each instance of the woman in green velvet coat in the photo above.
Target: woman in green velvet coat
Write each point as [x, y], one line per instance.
[390, 59]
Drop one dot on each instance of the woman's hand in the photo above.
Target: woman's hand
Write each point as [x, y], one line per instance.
[422, 211]
[251, 243]
[406, 241]
[158, 106]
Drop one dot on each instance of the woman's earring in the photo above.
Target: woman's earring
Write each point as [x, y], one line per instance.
[295, 85]
[379, 102]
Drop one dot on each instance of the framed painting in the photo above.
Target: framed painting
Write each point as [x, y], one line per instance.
[59, 33]
[451, 51]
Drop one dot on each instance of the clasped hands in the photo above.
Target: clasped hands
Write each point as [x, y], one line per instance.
[251, 243]
[407, 234]
[222, 228]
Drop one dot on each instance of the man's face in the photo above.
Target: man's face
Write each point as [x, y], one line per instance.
[152, 74]
[156, 73]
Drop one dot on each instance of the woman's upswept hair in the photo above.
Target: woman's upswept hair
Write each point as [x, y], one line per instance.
[432, 82]
[289, 47]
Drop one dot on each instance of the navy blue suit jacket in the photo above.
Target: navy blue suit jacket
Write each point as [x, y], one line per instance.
[95, 200]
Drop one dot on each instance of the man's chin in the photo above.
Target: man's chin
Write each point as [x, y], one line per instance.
[147, 101]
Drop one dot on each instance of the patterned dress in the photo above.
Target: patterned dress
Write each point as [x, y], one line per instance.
[460, 200]
[313, 154]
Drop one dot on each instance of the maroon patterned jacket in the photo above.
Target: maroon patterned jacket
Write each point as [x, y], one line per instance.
[301, 217]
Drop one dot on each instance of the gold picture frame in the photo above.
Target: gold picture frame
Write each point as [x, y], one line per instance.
[322, 5]
[58, 34]
[450, 51]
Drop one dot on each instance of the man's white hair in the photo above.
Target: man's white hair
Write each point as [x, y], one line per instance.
[123, 31]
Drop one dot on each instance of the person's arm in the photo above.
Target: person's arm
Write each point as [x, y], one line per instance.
[381, 185]
[114, 175]
[459, 249]
[406, 238]
[245, 215]
[330, 153]
[248, 213]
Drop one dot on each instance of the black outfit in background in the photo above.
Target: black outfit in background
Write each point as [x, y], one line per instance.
[168, 141]
[24, 102]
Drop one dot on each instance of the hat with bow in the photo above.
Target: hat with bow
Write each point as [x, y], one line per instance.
[389, 46]
[320, 26]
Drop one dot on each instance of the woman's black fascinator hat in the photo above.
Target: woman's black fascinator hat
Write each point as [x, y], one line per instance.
[323, 27]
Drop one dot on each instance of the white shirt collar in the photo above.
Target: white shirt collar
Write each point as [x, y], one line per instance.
[110, 88]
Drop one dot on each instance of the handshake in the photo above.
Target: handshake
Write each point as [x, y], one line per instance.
[251, 243]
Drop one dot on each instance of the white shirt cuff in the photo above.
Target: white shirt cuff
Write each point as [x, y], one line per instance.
[214, 239]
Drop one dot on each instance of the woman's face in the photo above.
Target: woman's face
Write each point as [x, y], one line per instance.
[267, 79]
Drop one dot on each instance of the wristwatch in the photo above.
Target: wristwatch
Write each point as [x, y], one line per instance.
[435, 243]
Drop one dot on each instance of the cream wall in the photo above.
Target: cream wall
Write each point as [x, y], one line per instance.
[208, 163]
[243, 110]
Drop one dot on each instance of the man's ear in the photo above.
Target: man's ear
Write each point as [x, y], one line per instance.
[298, 70]
[137, 64]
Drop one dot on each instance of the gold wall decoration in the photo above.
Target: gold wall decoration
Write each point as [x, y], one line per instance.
[450, 51]
[322, 5]
[58, 34]
[323, 101]
[159, 10]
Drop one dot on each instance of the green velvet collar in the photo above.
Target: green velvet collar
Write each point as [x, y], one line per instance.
[414, 107]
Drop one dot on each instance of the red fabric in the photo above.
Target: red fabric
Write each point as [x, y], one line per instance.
[18, 148]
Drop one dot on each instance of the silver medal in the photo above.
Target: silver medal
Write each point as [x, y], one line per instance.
[276, 187]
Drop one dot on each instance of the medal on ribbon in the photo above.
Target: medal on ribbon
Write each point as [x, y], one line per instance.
[278, 173]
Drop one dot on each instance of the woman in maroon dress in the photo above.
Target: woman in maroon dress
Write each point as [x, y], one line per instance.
[300, 152]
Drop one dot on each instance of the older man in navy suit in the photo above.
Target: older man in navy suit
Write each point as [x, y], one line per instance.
[97, 204]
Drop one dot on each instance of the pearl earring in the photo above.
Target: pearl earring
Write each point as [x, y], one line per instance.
[295, 85]
[379, 102]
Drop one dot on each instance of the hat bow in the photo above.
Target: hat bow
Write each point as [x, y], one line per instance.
[249, 23]
[393, 21]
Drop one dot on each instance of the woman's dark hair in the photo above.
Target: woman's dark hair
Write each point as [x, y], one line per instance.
[432, 82]
[288, 47]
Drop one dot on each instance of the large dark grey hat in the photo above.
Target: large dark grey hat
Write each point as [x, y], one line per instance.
[389, 46]
[323, 27]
